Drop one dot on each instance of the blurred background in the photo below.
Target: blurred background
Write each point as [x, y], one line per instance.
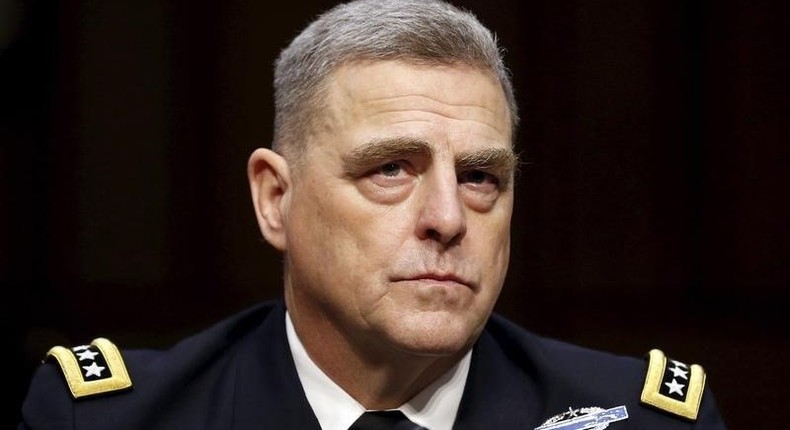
[653, 211]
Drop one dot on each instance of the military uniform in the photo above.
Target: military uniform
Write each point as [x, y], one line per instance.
[239, 374]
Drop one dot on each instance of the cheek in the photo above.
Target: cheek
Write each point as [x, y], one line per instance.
[492, 241]
[333, 231]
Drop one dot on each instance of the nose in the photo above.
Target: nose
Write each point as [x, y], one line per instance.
[442, 216]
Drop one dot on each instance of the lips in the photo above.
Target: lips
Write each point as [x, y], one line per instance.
[442, 278]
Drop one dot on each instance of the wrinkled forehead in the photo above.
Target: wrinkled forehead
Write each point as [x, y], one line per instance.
[407, 91]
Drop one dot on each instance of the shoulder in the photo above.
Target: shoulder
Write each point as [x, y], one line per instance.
[91, 369]
[100, 371]
[557, 356]
[655, 387]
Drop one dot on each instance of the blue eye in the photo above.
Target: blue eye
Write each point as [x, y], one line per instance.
[390, 169]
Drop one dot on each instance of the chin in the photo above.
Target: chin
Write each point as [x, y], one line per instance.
[434, 337]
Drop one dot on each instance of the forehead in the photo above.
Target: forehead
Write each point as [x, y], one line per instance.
[435, 103]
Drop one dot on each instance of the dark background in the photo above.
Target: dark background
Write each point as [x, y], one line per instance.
[654, 211]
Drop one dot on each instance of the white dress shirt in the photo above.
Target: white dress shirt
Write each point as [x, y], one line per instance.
[434, 408]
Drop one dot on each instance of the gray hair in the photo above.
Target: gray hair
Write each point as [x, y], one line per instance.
[419, 31]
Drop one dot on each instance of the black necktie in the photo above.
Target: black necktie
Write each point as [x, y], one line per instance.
[384, 420]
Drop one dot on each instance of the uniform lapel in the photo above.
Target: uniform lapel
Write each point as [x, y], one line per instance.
[497, 393]
[268, 394]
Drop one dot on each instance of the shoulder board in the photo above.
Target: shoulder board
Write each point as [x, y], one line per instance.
[673, 386]
[92, 369]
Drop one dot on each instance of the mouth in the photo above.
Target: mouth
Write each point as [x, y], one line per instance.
[443, 279]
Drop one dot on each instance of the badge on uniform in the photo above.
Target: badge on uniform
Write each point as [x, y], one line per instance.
[592, 418]
[92, 369]
[673, 386]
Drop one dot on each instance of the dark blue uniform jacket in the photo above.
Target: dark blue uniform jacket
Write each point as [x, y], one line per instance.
[239, 374]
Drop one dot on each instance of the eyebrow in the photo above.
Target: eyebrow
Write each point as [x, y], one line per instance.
[378, 151]
[502, 161]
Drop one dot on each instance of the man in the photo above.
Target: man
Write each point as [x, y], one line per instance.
[389, 191]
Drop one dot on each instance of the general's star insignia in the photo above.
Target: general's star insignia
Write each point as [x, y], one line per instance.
[676, 389]
[92, 369]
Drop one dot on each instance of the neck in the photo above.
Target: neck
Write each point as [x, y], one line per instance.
[376, 374]
[384, 384]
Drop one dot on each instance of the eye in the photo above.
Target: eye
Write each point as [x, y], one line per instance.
[391, 169]
[388, 182]
[391, 174]
[479, 178]
[480, 189]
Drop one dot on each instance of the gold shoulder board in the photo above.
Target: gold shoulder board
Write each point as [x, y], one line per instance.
[673, 386]
[92, 369]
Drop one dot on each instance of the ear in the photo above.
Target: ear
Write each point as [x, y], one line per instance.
[270, 182]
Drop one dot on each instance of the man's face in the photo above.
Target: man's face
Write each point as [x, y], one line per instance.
[398, 221]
